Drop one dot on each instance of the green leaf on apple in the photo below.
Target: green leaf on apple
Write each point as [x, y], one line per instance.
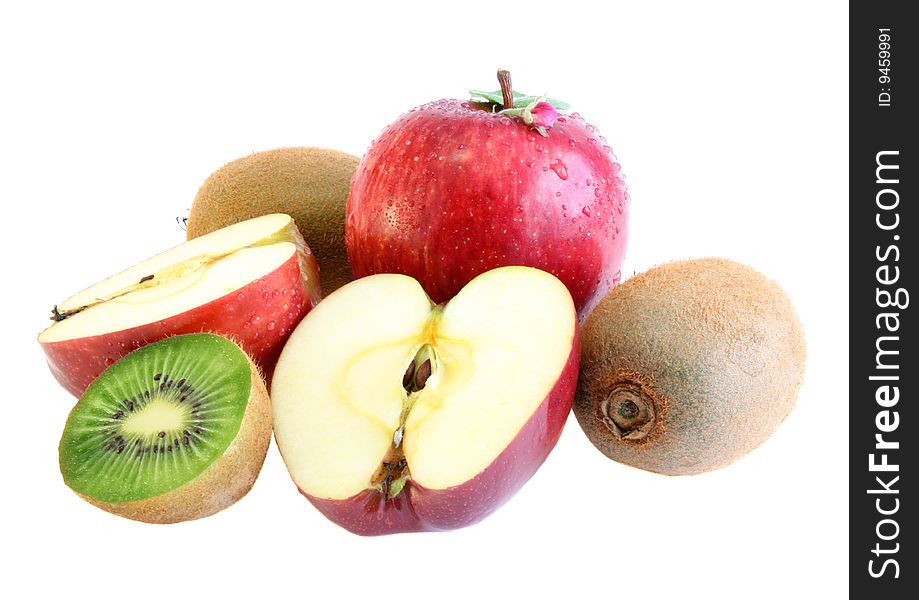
[520, 100]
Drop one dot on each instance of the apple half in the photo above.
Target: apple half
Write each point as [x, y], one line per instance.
[394, 414]
[252, 282]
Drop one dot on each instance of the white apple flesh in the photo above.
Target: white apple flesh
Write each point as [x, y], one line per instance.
[393, 414]
[252, 281]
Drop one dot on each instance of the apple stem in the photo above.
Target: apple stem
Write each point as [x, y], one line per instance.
[507, 92]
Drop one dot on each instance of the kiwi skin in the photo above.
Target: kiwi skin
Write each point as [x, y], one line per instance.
[228, 479]
[309, 184]
[703, 357]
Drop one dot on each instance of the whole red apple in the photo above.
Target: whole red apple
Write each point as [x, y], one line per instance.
[455, 188]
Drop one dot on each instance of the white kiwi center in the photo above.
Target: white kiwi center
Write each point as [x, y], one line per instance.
[160, 414]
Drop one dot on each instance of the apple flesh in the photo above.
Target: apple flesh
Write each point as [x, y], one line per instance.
[451, 190]
[253, 282]
[394, 414]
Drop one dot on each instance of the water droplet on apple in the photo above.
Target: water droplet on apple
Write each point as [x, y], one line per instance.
[588, 183]
[572, 143]
[408, 142]
[560, 169]
[271, 325]
[591, 128]
[109, 362]
[558, 194]
[586, 211]
[598, 191]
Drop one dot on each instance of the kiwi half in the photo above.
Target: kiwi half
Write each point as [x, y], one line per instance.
[687, 367]
[174, 431]
[309, 184]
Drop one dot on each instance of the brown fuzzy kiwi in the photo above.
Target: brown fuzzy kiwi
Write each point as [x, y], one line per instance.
[689, 366]
[309, 184]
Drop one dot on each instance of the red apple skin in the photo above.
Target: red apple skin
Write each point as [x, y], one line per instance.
[367, 513]
[259, 317]
[420, 509]
[449, 191]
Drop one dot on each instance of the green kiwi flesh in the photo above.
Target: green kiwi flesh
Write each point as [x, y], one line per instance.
[156, 419]
[689, 366]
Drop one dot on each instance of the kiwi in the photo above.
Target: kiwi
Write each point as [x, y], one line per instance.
[689, 366]
[174, 431]
[309, 184]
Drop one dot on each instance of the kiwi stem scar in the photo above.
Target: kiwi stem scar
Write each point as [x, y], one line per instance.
[627, 413]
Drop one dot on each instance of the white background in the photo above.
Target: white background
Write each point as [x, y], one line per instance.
[730, 121]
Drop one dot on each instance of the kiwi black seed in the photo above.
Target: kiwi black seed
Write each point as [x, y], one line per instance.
[173, 431]
[687, 367]
[309, 184]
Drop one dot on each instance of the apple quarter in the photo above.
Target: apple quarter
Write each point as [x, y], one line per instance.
[252, 282]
